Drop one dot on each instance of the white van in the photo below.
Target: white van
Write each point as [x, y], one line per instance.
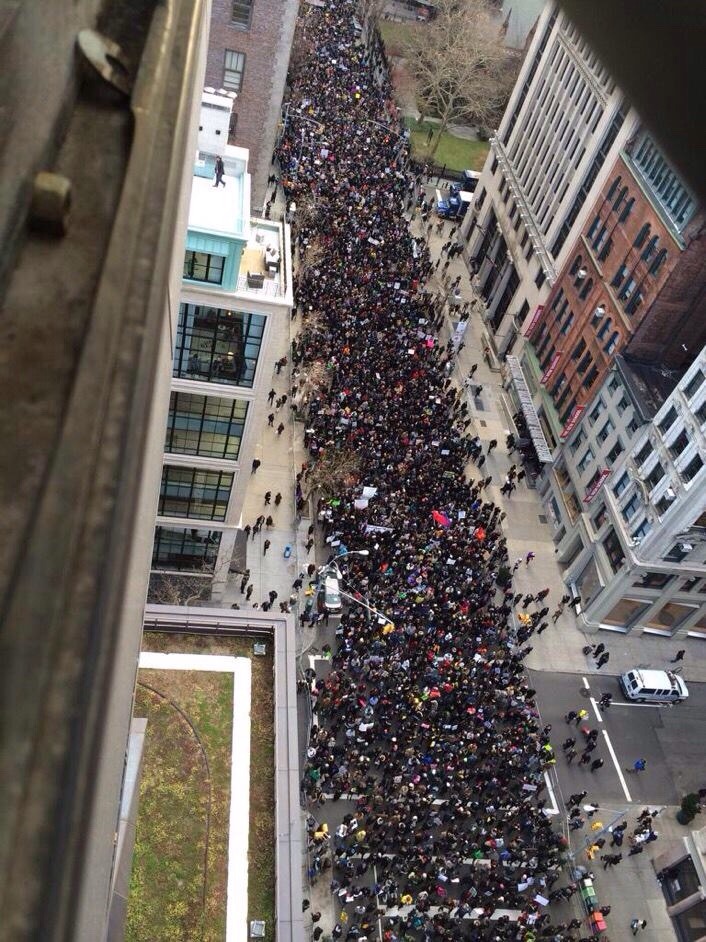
[653, 686]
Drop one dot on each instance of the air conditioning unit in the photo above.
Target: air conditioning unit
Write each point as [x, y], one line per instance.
[599, 312]
[581, 274]
[685, 547]
[669, 494]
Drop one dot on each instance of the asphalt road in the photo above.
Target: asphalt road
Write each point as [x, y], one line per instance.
[670, 738]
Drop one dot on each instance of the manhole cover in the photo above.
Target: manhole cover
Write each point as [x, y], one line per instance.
[542, 518]
[482, 423]
[479, 404]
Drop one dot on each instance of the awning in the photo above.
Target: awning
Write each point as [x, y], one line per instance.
[528, 410]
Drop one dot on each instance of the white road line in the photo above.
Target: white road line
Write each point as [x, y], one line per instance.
[555, 807]
[586, 683]
[599, 715]
[613, 756]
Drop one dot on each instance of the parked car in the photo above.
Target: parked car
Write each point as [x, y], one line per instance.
[647, 686]
[332, 594]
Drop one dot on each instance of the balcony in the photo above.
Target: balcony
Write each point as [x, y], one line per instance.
[263, 262]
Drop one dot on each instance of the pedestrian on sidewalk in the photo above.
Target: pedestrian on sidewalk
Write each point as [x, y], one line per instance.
[268, 497]
[637, 924]
[598, 650]
[596, 765]
[309, 543]
[603, 659]
[271, 420]
[280, 428]
[679, 656]
[255, 465]
[269, 522]
[639, 765]
[557, 613]
[265, 546]
[249, 592]
[637, 849]
[493, 443]
[575, 798]
[568, 743]
[278, 499]
[271, 396]
[605, 702]
[529, 557]
[611, 860]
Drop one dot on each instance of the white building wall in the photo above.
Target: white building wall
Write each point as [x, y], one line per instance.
[659, 519]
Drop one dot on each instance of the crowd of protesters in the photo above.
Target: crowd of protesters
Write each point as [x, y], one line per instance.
[426, 721]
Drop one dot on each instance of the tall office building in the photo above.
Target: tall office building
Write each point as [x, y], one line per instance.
[639, 563]
[565, 122]
[248, 53]
[236, 293]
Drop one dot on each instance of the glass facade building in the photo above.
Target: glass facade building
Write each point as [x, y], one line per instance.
[208, 426]
[215, 345]
[185, 549]
[193, 492]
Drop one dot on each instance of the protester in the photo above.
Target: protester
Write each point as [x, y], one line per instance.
[426, 720]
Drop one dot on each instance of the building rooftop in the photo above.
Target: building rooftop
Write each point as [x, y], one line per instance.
[650, 386]
[220, 210]
[263, 264]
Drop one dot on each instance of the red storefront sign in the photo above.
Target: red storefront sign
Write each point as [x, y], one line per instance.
[596, 486]
[573, 421]
[534, 320]
[551, 369]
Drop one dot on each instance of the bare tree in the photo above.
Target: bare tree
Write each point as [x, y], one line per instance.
[335, 470]
[463, 71]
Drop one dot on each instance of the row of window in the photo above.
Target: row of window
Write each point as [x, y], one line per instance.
[185, 550]
[205, 425]
[192, 492]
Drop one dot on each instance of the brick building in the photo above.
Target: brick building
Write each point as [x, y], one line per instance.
[634, 279]
[248, 53]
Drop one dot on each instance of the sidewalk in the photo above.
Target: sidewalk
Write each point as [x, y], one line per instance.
[559, 648]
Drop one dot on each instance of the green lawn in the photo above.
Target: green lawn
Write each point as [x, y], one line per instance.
[216, 719]
[395, 36]
[179, 875]
[456, 153]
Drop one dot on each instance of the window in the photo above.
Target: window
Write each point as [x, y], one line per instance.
[621, 405]
[604, 432]
[619, 276]
[634, 302]
[658, 262]
[632, 507]
[663, 504]
[205, 425]
[612, 343]
[641, 236]
[650, 248]
[578, 349]
[233, 70]
[579, 439]
[241, 11]
[688, 585]
[185, 549]
[596, 411]
[614, 550]
[694, 384]
[565, 327]
[644, 453]
[576, 265]
[615, 452]
[678, 552]
[215, 345]
[627, 209]
[513, 213]
[541, 278]
[600, 517]
[640, 532]
[585, 461]
[584, 364]
[586, 289]
[655, 475]
[700, 413]
[653, 580]
[614, 383]
[679, 445]
[613, 188]
[191, 492]
[622, 484]
[479, 199]
[693, 468]
[494, 165]
[200, 266]
[633, 426]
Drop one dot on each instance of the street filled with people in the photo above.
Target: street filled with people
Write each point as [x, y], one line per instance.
[426, 722]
